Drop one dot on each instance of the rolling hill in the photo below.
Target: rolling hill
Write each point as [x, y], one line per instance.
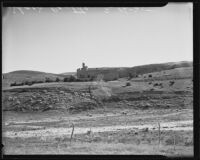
[27, 75]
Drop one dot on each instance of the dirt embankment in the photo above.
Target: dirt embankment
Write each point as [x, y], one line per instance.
[42, 99]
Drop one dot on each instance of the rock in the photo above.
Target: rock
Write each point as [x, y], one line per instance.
[145, 130]
[125, 113]
[17, 102]
[89, 115]
[61, 92]
[44, 91]
[10, 98]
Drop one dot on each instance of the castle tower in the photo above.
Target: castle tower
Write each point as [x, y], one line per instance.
[83, 65]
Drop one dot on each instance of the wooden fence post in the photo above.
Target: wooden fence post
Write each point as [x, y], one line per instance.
[159, 132]
[72, 125]
[174, 140]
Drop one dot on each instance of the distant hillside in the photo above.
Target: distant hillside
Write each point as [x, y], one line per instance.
[26, 75]
[69, 73]
[176, 73]
[139, 70]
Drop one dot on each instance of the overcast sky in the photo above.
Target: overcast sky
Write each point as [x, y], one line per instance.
[58, 40]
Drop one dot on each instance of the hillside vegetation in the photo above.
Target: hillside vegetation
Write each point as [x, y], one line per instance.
[148, 114]
[26, 75]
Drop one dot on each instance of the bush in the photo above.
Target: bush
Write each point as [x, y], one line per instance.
[130, 75]
[48, 80]
[171, 83]
[150, 75]
[66, 79]
[17, 84]
[128, 84]
[39, 82]
[57, 79]
[26, 83]
[13, 84]
[156, 84]
[72, 79]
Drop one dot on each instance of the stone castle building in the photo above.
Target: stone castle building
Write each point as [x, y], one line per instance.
[108, 74]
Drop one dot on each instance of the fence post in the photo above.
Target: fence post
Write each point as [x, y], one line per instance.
[159, 132]
[174, 140]
[72, 125]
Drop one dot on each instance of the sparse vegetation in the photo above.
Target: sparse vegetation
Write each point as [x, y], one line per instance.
[13, 84]
[57, 79]
[171, 83]
[48, 80]
[156, 84]
[130, 76]
[128, 84]
[140, 106]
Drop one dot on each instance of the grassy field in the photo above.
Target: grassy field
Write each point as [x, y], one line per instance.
[108, 117]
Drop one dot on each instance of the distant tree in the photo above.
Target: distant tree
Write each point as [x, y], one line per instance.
[48, 80]
[57, 79]
[30, 83]
[130, 75]
[128, 84]
[39, 81]
[66, 79]
[171, 83]
[13, 84]
[72, 79]
[156, 84]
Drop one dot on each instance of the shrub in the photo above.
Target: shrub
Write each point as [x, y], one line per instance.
[128, 84]
[26, 83]
[57, 79]
[150, 75]
[17, 84]
[48, 80]
[171, 83]
[130, 75]
[39, 82]
[13, 84]
[72, 79]
[66, 79]
[30, 83]
[156, 84]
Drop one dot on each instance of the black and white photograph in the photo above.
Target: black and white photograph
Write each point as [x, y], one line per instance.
[98, 80]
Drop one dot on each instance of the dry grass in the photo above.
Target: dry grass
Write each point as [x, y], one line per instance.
[100, 148]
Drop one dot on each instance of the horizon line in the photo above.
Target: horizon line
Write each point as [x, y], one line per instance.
[95, 67]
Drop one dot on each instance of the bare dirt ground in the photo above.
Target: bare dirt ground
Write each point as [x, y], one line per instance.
[111, 119]
[130, 133]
